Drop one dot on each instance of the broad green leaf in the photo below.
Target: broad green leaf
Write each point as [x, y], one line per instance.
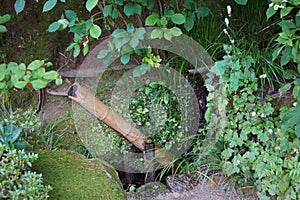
[175, 31]
[292, 117]
[2, 76]
[19, 6]
[125, 58]
[140, 70]
[178, 18]
[134, 42]
[70, 15]
[163, 21]
[90, 4]
[39, 84]
[218, 68]
[107, 10]
[202, 12]
[167, 36]
[156, 33]
[137, 9]
[285, 11]
[152, 19]
[297, 131]
[241, 2]
[285, 87]
[129, 9]
[102, 54]
[270, 12]
[189, 24]
[54, 27]
[35, 64]
[169, 12]
[20, 84]
[4, 18]
[115, 13]
[76, 50]
[2, 29]
[139, 33]
[95, 31]
[49, 5]
[50, 75]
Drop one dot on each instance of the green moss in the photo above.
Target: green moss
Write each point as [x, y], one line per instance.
[74, 177]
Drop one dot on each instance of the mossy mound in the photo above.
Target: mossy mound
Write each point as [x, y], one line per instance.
[74, 177]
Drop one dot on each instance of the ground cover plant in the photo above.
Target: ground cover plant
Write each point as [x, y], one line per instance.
[256, 140]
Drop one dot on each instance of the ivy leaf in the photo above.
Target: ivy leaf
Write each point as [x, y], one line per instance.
[90, 4]
[49, 5]
[19, 6]
[152, 19]
[241, 2]
[95, 31]
[178, 18]
[218, 68]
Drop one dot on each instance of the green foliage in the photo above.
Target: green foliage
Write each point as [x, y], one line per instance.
[10, 136]
[252, 144]
[15, 75]
[3, 19]
[154, 104]
[17, 181]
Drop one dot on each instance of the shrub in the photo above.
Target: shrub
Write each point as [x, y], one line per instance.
[17, 181]
[253, 145]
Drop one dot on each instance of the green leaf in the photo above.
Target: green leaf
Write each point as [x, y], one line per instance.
[125, 58]
[140, 70]
[49, 5]
[137, 9]
[54, 27]
[218, 68]
[297, 131]
[19, 6]
[285, 87]
[270, 12]
[134, 42]
[20, 84]
[156, 33]
[107, 10]
[2, 76]
[35, 64]
[129, 9]
[175, 31]
[95, 31]
[163, 21]
[39, 84]
[241, 2]
[5, 18]
[70, 15]
[152, 19]
[85, 49]
[189, 23]
[285, 11]
[202, 12]
[76, 50]
[90, 4]
[178, 18]
[102, 54]
[50, 75]
[115, 13]
[2, 29]
[58, 81]
[292, 117]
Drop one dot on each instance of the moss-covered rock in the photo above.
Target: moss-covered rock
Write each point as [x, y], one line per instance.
[74, 177]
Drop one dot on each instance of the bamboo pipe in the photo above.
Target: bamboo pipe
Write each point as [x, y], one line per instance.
[89, 102]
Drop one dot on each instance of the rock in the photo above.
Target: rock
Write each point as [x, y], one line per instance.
[148, 191]
[179, 183]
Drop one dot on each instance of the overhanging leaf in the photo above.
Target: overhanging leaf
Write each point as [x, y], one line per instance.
[292, 117]
[49, 5]
[19, 6]
[178, 18]
[90, 4]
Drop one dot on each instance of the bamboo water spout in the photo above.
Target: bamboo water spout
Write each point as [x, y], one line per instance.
[89, 102]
